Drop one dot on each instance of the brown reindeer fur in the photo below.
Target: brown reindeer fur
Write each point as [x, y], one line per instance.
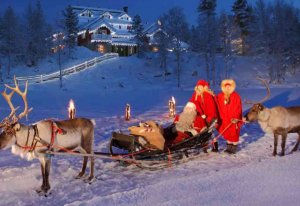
[278, 121]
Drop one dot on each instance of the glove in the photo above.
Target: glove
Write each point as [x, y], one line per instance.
[234, 121]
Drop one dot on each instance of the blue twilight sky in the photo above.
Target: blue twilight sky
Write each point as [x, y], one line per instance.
[148, 9]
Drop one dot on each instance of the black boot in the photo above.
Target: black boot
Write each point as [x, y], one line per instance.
[233, 149]
[215, 147]
[229, 148]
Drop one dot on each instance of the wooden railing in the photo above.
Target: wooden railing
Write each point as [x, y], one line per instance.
[47, 77]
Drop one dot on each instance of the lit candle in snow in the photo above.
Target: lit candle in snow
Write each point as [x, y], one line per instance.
[127, 112]
[172, 110]
[71, 109]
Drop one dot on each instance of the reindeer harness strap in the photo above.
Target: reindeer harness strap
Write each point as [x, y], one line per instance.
[54, 130]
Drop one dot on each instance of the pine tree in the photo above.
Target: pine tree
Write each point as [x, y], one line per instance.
[40, 31]
[178, 30]
[71, 28]
[9, 36]
[225, 29]
[1, 31]
[208, 31]
[37, 45]
[195, 44]
[31, 51]
[141, 40]
[163, 42]
[242, 18]
[277, 40]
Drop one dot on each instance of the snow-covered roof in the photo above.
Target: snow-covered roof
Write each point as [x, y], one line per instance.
[153, 29]
[104, 22]
[96, 10]
[97, 23]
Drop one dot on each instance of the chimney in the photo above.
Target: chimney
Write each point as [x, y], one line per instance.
[125, 9]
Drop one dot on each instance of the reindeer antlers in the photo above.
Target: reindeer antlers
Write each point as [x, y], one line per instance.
[12, 116]
[268, 92]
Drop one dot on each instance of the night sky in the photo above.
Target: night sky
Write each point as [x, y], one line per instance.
[149, 10]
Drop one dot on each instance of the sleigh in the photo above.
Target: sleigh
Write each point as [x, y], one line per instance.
[135, 149]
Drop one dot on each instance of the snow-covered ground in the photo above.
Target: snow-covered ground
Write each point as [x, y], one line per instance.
[251, 177]
[50, 63]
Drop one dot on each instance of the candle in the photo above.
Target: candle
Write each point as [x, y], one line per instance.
[127, 112]
[71, 109]
[172, 110]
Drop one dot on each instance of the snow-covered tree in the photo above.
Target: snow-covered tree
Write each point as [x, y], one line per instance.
[225, 30]
[37, 34]
[277, 40]
[141, 40]
[196, 45]
[1, 30]
[177, 28]
[163, 42]
[9, 36]
[71, 28]
[30, 51]
[163, 45]
[242, 17]
[208, 31]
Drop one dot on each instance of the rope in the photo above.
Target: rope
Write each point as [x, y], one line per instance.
[221, 133]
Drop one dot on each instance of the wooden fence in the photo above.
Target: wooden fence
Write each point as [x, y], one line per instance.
[74, 69]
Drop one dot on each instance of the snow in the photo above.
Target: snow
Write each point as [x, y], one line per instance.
[50, 64]
[251, 177]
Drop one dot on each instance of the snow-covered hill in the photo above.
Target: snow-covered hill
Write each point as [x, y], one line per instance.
[251, 177]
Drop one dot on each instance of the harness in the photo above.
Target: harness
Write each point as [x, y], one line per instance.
[37, 139]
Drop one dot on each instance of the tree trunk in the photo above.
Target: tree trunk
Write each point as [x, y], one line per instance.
[60, 69]
[178, 67]
[213, 68]
[207, 66]
[9, 64]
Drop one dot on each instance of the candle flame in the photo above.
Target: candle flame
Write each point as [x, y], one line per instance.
[173, 100]
[71, 105]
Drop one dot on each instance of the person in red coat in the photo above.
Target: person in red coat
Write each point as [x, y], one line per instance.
[206, 106]
[230, 111]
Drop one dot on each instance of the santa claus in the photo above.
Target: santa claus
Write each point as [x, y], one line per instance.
[230, 110]
[184, 123]
[206, 106]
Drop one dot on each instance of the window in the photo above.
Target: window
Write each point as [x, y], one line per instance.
[101, 48]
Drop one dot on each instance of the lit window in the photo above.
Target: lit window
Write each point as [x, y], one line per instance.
[101, 48]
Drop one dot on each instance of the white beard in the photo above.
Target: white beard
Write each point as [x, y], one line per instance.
[186, 120]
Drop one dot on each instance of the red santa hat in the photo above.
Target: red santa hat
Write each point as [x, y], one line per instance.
[202, 83]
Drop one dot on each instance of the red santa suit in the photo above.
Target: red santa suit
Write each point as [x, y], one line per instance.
[205, 103]
[230, 108]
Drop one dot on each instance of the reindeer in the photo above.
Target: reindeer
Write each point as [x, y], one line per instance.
[276, 120]
[35, 140]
